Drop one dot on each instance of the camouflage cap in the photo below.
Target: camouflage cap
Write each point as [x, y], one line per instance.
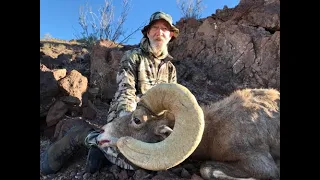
[161, 15]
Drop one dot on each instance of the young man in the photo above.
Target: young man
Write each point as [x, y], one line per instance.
[139, 70]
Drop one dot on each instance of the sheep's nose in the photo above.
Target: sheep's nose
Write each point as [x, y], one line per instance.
[103, 141]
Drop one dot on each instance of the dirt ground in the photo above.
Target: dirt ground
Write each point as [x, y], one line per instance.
[75, 167]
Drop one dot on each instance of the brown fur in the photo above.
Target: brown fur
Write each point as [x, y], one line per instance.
[241, 137]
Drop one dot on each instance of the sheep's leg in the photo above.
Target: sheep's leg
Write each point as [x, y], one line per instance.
[222, 171]
[255, 166]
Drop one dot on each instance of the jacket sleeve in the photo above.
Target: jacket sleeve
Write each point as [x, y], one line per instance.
[173, 76]
[125, 97]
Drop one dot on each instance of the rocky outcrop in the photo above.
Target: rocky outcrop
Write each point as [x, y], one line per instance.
[64, 72]
[105, 58]
[49, 88]
[232, 49]
[62, 93]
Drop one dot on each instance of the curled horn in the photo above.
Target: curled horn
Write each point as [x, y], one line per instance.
[186, 135]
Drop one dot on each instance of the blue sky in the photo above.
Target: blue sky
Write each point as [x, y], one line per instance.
[59, 18]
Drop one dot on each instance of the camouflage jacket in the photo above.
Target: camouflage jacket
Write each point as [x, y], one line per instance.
[138, 71]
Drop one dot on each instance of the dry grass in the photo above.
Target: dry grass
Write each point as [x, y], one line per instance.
[54, 40]
[53, 47]
[54, 50]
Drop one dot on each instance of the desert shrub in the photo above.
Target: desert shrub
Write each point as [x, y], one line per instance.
[47, 36]
[190, 8]
[101, 25]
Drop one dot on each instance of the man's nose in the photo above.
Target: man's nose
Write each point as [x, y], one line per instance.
[160, 31]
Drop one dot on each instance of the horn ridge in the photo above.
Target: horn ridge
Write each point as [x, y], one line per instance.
[186, 135]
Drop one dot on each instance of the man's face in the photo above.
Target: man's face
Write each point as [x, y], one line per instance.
[159, 33]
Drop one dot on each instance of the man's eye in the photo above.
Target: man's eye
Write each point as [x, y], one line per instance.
[155, 27]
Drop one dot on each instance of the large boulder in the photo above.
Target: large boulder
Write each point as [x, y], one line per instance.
[74, 85]
[49, 89]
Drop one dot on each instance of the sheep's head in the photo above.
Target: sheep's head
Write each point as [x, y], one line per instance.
[141, 124]
[158, 148]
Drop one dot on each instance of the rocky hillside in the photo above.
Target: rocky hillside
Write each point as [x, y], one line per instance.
[234, 48]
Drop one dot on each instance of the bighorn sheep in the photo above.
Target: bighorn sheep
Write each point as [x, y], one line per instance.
[238, 137]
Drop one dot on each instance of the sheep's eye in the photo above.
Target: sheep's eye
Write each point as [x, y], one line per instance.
[136, 120]
[167, 133]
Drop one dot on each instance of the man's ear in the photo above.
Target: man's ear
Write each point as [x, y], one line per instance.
[171, 34]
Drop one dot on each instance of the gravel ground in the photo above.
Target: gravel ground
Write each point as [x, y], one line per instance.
[75, 167]
[75, 170]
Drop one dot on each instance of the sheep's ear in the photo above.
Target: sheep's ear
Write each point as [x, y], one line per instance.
[164, 131]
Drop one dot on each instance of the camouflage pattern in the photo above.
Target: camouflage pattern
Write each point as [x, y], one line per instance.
[138, 71]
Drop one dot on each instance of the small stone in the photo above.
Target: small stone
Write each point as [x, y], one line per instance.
[95, 174]
[185, 173]
[86, 176]
[51, 176]
[73, 173]
[80, 173]
[78, 177]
